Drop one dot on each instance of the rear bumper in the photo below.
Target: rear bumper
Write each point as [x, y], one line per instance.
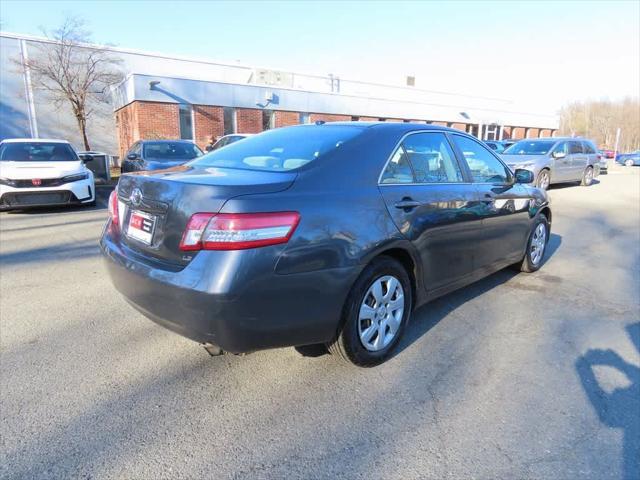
[68, 194]
[232, 299]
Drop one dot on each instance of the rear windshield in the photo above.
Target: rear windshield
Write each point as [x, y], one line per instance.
[37, 152]
[529, 148]
[280, 150]
[171, 151]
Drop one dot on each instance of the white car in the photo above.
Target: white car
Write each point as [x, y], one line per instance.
[40, 172]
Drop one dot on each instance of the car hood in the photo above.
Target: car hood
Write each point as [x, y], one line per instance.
[513, 160]
[28, 170]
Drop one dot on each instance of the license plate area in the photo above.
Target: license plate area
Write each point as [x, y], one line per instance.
[141, 226]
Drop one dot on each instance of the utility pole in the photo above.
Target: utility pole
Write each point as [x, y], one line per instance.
[615, 149]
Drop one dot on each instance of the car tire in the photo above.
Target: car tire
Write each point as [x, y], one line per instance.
[544, 179]
[587, 177]
[533, 258]
[629, 163]
[367, 335]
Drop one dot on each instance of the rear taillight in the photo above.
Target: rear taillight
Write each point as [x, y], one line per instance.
[238, 231]
[113, 209]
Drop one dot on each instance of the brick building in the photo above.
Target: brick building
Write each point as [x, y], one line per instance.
[148, 107]
[214, 98]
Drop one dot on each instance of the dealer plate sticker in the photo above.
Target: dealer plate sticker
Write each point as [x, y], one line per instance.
[141, 226]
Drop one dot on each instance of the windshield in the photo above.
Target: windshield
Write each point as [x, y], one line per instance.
[37, 152]
[159, 151]
[281, 149]
[526, 147]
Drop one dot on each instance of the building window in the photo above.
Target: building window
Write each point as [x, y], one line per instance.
[355, 119]
[186, 122]
[267, 119]
[229, 120]
[304, 118]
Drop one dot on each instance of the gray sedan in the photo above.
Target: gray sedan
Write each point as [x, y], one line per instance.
[319, 234]
[555, 160]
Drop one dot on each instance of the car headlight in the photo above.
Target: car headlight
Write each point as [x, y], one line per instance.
[75, 178]
[7, 181]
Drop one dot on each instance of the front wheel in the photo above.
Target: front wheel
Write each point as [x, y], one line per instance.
[536, 246]
[587, 177]
[375, 314]
[544, 179]
[629, 163]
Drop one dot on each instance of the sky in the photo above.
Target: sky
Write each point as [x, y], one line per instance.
[539, 54]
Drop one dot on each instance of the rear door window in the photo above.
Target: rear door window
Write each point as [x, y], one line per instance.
[432, 158]
[575, 147]
[589, 148]
[422, 158]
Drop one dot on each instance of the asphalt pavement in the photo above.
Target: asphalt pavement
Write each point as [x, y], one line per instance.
[517, 376]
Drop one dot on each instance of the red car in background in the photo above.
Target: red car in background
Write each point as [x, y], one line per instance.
[607, 153]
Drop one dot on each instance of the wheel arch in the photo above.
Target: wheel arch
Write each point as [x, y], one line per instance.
[547, 213]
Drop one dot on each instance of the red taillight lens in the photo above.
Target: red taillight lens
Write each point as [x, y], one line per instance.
[238, 231]
[113, 209]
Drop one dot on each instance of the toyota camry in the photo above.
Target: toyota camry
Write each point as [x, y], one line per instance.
[319, 234]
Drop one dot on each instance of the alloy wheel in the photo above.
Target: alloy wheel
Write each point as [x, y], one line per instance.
[588, 176]
[629, 163]
[538, 243]
[381, 313]
[543, 180]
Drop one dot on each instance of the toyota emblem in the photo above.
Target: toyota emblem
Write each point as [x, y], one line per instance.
[136, 197]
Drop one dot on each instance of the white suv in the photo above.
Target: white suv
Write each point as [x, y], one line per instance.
[39, 172]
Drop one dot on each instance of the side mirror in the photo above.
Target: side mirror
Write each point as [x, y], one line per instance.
[132, 156]
[86, 158]
[559, 154]
[523, 176]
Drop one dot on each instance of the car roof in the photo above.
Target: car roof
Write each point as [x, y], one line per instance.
[33, 140]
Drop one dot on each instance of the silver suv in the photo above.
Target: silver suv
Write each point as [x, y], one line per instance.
[555, 160]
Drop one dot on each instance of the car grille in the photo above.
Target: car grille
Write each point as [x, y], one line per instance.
[39, 198]
[45, 182]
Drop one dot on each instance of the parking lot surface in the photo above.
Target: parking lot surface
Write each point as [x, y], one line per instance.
[516, 376]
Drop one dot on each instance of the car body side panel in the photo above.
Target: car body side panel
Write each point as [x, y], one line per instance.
[442, 227]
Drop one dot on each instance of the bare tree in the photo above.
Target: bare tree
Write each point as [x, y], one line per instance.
[73, 71]
[600, 120]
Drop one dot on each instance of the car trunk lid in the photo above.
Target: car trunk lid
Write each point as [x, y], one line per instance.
[154, 208]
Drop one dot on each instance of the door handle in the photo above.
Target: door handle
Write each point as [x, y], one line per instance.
[407, 203]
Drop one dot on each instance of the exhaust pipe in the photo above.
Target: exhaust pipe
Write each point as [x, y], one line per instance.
[213, 350]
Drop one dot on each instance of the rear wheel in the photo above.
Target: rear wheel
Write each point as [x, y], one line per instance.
[536, 245]
[587, 177]
[629, 163]
[544, 179]
[375, 314]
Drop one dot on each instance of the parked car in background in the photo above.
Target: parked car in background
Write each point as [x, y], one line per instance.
[320, 234]
[228, 140]
[146, 155]
[41, 172]
[496, 145]
[607, 153]
[508, 143]
[555, 160]
[629, 159]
